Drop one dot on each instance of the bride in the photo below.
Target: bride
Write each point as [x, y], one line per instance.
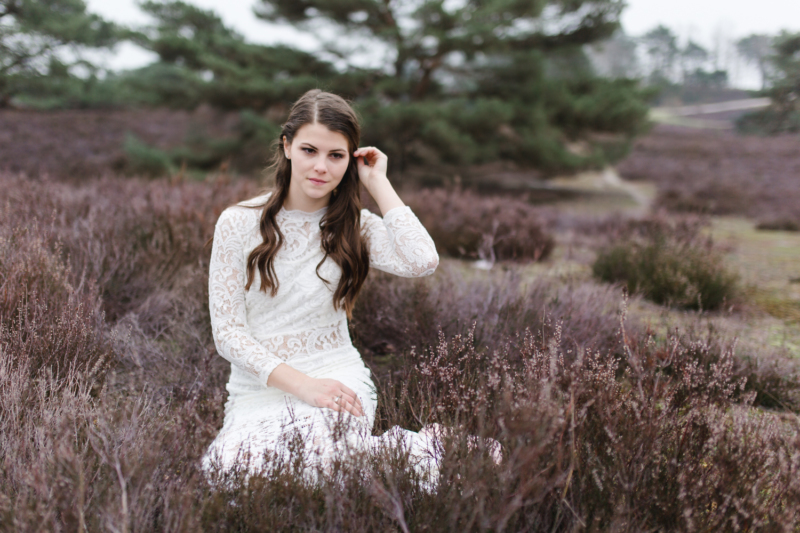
[285, 271]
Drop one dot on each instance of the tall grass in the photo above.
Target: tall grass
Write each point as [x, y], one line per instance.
[602, 425]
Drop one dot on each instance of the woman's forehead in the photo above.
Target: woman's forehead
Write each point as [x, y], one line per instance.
[321, 137]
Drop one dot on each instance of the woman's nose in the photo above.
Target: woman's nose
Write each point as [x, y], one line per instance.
[320, 166]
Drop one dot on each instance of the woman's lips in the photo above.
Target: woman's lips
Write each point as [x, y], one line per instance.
[317, 182]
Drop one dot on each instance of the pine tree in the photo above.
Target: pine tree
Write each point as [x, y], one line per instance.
[757, 48]
[33, 37]
[474, 81]
[662, 48]
[430, 36]
[202, 60]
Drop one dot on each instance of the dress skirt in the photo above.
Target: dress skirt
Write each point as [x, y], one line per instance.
[261, 422]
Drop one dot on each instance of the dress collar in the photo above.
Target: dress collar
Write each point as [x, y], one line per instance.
[306, 215]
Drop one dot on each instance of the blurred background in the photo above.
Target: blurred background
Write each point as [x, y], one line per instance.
[613, 188]
[444, 87]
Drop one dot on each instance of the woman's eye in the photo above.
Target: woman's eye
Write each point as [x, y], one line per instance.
[308, 150]
[337, 156]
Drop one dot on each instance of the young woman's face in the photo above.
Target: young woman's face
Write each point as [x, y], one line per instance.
[319, 161]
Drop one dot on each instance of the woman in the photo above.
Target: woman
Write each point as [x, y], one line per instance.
[285, 271]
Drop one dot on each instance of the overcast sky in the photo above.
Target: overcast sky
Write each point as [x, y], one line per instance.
[705, 21]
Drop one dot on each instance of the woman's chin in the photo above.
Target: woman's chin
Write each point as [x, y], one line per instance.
[317, 193]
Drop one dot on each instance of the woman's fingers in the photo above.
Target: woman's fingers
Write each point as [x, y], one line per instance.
[347, 390]
[366, 150]
[346, 406]
[370, 153]
[340, 397]
[343, 390]
[349, 398]
[352, 405]
[352, 397]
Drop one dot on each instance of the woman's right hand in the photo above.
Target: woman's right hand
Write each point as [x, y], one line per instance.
[327, 393]
[331, 394]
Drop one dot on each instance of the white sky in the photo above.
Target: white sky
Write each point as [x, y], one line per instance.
[704, 17]
[706, 21]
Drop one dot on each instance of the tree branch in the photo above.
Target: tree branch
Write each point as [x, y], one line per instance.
[11, 8]
[20, 60]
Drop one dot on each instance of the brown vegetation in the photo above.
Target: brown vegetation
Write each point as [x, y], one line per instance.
[465, 224]
[81, 144]
[111, 390]
[720, 172]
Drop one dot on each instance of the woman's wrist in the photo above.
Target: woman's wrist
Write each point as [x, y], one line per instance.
[288, 379]
[384, 194]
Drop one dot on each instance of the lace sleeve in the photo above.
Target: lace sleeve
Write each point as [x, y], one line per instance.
[399, 243]
[226, 281]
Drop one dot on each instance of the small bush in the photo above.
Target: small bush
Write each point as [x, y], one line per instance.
[464, 224]
[779, 224]
[681, 270]
[145, 160]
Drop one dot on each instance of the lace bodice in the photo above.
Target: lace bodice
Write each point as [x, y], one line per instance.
[255, 331]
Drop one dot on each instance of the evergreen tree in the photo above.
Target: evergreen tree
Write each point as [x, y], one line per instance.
[428, 36]
[662, 48]
[693, 58]
[757, 48]
[784, 89]
[473, 81]
[616, 57]
[202, 60]
[34, 36]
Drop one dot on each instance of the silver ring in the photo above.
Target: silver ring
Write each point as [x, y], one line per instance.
[336, 399]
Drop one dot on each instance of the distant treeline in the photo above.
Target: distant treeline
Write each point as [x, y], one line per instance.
[686, 72]
[462, 85]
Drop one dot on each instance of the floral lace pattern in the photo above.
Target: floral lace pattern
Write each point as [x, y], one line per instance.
[299, 326]
[256, 331]
[308, 342]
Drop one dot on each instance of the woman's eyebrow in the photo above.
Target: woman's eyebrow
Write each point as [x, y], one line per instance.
[315, 148]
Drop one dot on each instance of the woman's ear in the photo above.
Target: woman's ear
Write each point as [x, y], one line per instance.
[286, 147]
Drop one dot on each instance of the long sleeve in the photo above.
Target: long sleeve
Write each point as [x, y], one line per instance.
[399, 243]
[226, 280]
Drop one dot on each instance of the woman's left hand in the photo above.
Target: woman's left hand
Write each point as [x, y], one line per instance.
[372, 171]
[372, 165]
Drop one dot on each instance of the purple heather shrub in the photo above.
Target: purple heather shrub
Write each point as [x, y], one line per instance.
[111, 391]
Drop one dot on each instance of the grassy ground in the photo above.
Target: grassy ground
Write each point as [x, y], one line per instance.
[768, 263]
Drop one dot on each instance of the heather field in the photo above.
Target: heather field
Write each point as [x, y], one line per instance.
[634, 348]
[721, 173]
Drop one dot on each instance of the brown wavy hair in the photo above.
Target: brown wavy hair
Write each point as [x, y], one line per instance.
[340, 225]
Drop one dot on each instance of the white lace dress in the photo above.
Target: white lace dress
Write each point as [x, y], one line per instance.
[299, 327]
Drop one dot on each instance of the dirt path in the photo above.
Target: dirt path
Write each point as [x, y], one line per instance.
[685, 115]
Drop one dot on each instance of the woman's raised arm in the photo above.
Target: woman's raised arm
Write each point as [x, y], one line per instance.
[398, 243]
